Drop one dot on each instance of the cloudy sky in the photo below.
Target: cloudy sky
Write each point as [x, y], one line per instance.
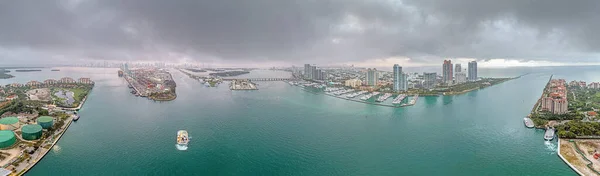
[284, 32]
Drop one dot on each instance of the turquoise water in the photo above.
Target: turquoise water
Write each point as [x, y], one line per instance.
[283, 130]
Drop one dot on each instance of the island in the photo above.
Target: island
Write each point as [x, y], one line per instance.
[209, 81]
[4, 74]
[28, 70]
[572, 111]
[229, 73]
[34, 116]
[155, 84]
[457, 89]
[195, 70]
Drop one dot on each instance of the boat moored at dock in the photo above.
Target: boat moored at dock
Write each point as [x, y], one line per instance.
[384, 97]
[368, 96]
[528, 122]
[549, 134]
[399, 99]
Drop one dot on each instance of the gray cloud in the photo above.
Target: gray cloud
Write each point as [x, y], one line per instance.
[327, 31]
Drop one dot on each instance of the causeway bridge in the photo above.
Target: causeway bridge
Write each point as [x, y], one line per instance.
[260, 79]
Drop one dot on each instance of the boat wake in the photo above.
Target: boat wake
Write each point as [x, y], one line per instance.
[180, 147]
[56, 149]
[550, 146]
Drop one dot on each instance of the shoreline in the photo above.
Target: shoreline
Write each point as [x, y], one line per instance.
[413, 94]
[565, 160]
[70, 119]
[149, 97]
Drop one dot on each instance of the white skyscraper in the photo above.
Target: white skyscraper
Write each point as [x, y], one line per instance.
[397, 77]
[372, 77]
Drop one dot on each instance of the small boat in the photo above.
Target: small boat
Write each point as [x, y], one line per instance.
[398, 99]
[549, 134]
[182, 140]
[528, 122]
[75, 117]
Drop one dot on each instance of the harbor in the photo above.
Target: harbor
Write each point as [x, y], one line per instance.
[361, 96]
[241, 116]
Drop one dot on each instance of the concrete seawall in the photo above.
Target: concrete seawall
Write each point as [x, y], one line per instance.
[565, 160]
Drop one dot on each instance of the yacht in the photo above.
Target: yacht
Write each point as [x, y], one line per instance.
[414, 99]
[366, 97]
[549, 134]
[399, 99]
[384, 97]
[528, 122]
[182, 140]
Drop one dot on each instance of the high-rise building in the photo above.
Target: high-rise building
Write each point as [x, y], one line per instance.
[472, 71]
[397, 76]
[322, 75]
[447, 72]
[307, 71]
[372, 77]
[461, 77]
[556, 101]
[429, 80]
[404, 82]
[315, 73]
[457, 68]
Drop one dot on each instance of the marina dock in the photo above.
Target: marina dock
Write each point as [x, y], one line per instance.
[413, 101]
[240, 84]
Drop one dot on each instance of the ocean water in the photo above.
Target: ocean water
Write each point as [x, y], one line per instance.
[283, 130]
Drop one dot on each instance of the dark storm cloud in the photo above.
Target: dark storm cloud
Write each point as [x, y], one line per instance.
[299, 31]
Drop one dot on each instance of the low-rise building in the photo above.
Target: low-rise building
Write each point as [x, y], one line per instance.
[582, 84]
[557, 82]
[573, 83]
[594, 85]
[67, 80]
[16, 85]
[85, 81]
[33, 83]
[50, 82]
[592, 113]
[12, 97]
[353, 83]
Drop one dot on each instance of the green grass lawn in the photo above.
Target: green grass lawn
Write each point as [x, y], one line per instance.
[78, 95]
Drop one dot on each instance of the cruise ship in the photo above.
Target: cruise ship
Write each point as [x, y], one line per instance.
[549, 134]
[399, 99]
[182, 140]
[528, 122]
[384, 97]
